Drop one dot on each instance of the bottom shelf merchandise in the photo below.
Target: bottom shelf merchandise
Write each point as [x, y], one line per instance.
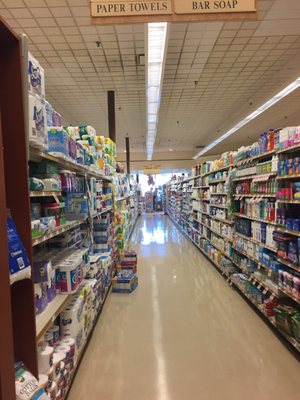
[263, 281]
[126, 280]
[63, 344]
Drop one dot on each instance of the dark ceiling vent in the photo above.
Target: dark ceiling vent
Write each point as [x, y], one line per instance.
[201, 146]
[140, 60]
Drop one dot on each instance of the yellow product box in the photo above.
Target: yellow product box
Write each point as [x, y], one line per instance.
[100, 140]
[100, 163]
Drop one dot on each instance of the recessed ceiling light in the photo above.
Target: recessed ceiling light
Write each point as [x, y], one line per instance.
[156, 57]
[279, 96]
[170, 149]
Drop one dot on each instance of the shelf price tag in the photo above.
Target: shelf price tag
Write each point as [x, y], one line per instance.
[265, 291]
[270, 272]
[259, 286]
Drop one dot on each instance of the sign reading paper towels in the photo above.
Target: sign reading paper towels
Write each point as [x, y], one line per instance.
[131, 11]
[105, 8]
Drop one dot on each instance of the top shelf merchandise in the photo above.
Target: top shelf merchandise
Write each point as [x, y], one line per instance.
[244, 217]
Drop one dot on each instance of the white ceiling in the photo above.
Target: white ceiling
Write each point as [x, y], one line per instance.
[216, 72]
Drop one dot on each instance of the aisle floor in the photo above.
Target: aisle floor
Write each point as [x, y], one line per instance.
[184, 334]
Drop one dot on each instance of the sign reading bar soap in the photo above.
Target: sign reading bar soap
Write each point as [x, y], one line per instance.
[213, 6]
[114, 8]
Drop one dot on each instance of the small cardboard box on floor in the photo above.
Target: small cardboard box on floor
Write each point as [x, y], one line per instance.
[128, 261]
[126, 279]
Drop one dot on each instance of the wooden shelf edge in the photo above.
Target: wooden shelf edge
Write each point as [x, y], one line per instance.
[46, 318]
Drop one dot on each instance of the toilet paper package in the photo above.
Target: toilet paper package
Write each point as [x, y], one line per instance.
[19, 265]
[72, 326]
[41, 300]
[58, 142]
[87, 130]
[37, 122]
[45, 359]
[36, 77]
[42, 269]
[51, 286]
[73, 132]
[80, 153]
[72, 148]
[56, 118]
[49, 112]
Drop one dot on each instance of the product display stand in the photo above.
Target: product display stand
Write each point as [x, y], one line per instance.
[17, 200]
[236, 215]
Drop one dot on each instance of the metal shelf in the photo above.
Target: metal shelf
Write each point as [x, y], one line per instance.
[289, 149]
[288, 201]
[265, 195]
[44, 194]
[255, 219]
[36, 155]
[295, 233]
[123, 198]
[226, 221]
[58, 231]
[288, 264]
[250, 239]
[217, 181]
[102, 212]
[219, 206]
[294, 176]
[220, 234]
[260, 156]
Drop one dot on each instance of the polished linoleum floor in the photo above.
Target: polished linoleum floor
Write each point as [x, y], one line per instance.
[184, 334]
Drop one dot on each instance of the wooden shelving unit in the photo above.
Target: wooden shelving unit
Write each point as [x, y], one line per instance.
[46, 318]
[44, 194]
[17, 333]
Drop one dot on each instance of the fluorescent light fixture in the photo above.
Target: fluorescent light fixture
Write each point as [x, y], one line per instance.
[279, 96]
[156, 56]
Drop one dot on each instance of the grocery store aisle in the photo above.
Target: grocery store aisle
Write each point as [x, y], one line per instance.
[184, 334]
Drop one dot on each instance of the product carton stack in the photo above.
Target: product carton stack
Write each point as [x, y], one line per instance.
[126, 279]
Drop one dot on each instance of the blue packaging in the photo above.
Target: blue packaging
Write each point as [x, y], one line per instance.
[289, 223]
[296, 225]
[293, 253]
[58, 141]
[19, 265]
[76, 205]
[49, 112]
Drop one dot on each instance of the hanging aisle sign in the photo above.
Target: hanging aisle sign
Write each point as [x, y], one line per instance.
[123, 8]
[141, 11]
[213, 6]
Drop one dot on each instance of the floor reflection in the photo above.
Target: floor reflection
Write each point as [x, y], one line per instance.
[154, 230]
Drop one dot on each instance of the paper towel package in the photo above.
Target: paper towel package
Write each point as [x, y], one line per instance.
[37, 122]
[49, 112]
[36, 77]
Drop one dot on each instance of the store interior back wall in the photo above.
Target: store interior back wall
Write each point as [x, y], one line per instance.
[163, 160]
